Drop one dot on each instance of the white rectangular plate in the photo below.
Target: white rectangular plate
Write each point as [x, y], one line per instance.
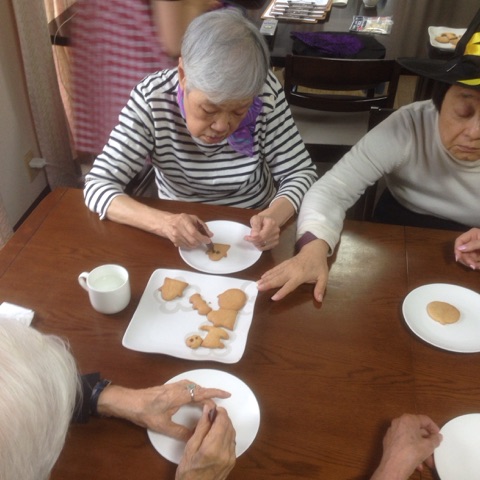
[160, 326]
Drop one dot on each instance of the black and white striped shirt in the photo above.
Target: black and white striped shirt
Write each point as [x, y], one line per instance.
[151, 125]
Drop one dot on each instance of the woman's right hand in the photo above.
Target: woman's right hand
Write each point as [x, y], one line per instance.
[210, 452]
[467, 249]
[185, 230]
[308, 266]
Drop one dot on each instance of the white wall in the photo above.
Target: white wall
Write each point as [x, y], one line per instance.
[17, 134]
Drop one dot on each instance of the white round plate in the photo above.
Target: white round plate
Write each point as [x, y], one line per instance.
[462, 336]
[434, 32]
[241, 255]
[457, 455]
[242, 408]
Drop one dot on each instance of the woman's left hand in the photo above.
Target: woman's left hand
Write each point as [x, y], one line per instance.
[265, 232]
[154, 407]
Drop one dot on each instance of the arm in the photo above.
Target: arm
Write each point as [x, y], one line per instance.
[410, 441]
[467, 249]
[172, 18]
[181, 229]
[153, 407]
[288, 162]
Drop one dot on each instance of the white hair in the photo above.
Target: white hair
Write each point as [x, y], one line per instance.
[224, 56]
[38, 388]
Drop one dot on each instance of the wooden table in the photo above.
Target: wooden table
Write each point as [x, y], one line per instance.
[328, 378]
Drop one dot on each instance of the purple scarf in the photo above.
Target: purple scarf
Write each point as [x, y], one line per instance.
[241, 140]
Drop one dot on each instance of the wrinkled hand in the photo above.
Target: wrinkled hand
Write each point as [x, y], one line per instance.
[182, 229]
[409, 442]
[265, 232]
[210, 452]
[154, 407]
[467, 249]
[308, 266]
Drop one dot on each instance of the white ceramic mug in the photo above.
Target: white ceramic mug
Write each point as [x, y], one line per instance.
[108, 288]
[370, 3]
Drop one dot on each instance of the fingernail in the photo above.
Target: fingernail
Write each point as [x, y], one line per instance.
[472, 267]
[456, 257]
[462, 247]
[212, 414]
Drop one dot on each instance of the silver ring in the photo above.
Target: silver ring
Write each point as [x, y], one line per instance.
[191, 389]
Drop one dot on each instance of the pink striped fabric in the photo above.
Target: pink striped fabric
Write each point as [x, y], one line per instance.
[115, 46]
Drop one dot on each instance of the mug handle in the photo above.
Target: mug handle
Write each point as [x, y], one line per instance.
[82, 280]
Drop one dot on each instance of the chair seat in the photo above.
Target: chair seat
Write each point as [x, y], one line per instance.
[330, 128]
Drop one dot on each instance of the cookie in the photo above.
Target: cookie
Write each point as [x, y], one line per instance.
[223, 318]
[200, 304]
[442, 38]
[450, 35]
[232, 299]
[443, 312]
[214, 337]
[194, 341]
[219, 251]
[172, 288]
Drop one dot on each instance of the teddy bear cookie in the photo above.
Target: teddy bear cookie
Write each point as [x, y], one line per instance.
[200, 304]
[172, 288]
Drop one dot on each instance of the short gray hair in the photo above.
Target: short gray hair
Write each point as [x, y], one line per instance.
[224, 56]
[38, 388]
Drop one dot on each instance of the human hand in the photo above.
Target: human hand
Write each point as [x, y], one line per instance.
[210, 452]
[410, 441]
[467, 249]
[265, 232]
[154, 407]
[308, 266]
[183, 230]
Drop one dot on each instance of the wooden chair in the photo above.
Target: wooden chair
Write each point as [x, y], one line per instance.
[331, 98]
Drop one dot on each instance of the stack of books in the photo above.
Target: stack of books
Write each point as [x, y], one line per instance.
[298, 10]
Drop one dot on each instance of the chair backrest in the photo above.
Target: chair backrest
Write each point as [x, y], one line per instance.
[340, 75]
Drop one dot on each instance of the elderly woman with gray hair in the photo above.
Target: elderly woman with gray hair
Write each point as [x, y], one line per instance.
[40, 388]
[217, 130]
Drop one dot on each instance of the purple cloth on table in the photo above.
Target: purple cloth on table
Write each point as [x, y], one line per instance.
[331, 44]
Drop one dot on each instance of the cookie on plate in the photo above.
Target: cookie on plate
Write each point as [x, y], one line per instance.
[194, 341]
[214, 337]
[219, 251]
[172, 288]
[223, 318]
[200, 304]
[232, 299]
[443, 312]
